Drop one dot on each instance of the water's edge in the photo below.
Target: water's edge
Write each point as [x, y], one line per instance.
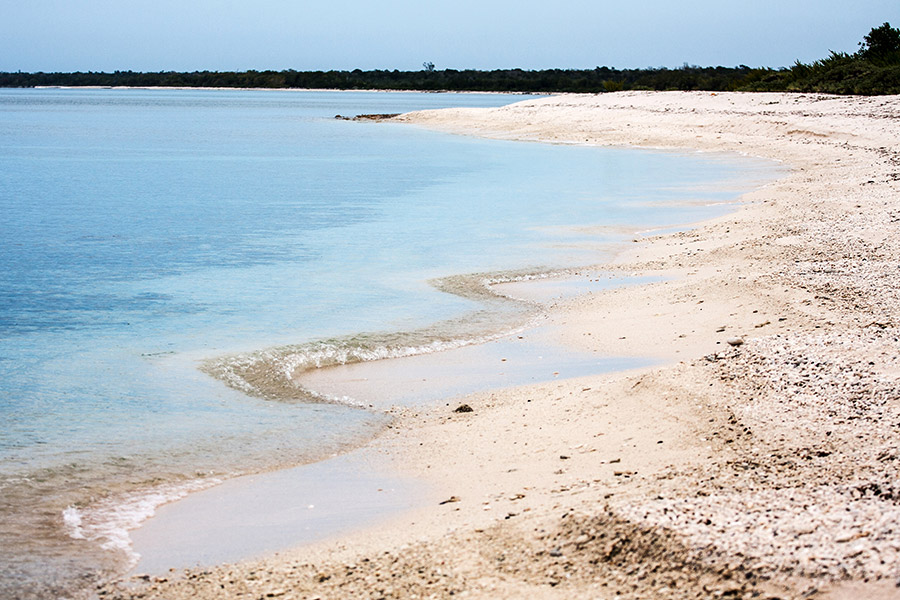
[270, 373]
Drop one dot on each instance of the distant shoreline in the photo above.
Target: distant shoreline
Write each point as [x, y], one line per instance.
[268, 89]
[865, 72]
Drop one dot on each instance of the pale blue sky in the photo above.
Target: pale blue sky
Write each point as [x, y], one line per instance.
[187, 35]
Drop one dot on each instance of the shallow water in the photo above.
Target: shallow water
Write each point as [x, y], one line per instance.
[252, 516]
[148, 233]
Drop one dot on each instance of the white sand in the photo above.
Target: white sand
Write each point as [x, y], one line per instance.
[765, 468]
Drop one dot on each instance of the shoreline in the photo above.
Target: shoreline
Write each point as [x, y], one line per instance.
[668, 467]
[411, 378]
[251, 89]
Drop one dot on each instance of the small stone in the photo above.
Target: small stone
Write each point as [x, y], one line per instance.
[450, 500]
[463, 408]
[735, 341]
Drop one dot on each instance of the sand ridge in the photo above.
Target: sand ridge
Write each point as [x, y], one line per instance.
[760, 461]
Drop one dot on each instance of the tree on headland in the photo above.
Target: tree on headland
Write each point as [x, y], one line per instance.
[874, 69]
[428, 66]
[882, 44]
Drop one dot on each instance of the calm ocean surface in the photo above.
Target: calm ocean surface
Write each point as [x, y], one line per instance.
[146, 233]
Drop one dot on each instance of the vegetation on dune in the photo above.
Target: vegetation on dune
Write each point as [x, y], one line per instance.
[873, 69]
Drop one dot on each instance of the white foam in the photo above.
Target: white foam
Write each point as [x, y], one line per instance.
[272, 371]
[282, 364]
[108, 521]
[72, 522]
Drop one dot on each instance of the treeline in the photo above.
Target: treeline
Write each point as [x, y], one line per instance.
[874, 69]
[502, 80]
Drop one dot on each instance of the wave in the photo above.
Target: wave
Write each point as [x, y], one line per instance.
[108, 521]
[270, 373]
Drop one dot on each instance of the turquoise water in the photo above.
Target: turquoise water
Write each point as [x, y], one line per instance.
[145, 235]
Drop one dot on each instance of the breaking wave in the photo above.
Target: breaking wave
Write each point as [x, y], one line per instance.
[271, 373]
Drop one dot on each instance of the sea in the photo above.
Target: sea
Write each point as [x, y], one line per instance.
[169, 258]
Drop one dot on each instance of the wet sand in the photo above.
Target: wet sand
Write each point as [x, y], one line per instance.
[759, 460]
[251, 516]
[256, 515]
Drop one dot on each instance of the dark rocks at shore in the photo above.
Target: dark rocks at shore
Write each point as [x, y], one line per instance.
[369, 117]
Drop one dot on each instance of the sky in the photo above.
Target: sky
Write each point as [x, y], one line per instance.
[226, 35]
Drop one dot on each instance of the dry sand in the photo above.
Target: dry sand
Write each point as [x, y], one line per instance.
[767, 468]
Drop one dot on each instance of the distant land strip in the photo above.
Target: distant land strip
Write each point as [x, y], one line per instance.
[838, 74]
[874, 69]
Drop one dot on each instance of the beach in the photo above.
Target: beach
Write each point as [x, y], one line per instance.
[757, 458]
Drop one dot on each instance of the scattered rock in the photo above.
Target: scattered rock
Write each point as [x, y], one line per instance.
[463, 408]
[375, 117]
[368, 117]
[735, 341]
